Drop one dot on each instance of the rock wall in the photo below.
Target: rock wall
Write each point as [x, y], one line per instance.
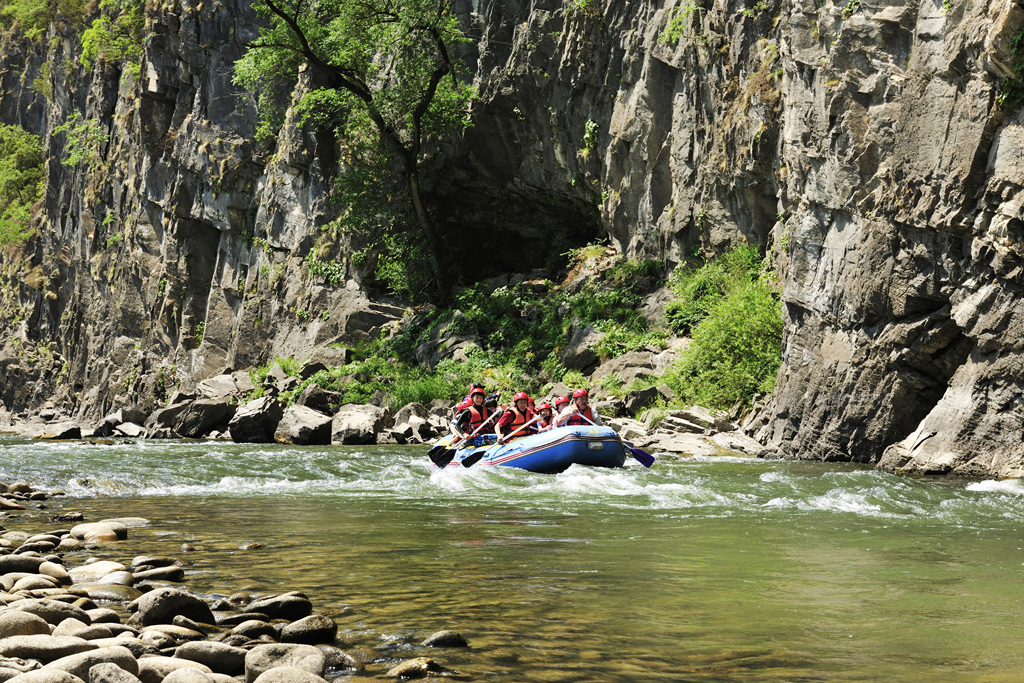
[860, 142]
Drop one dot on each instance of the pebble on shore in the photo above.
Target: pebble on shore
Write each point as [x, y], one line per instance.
[52, 629]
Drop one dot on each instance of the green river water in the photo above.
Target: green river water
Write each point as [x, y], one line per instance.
[701, 569]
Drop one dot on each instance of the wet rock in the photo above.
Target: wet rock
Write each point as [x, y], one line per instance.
[219, 657]
[118, 578]
[94, 632]
[18, 623]
[156, 669]
[52, 611]
[263, 658]
[236, 619]
[95, 570]
[112, 592]
[288, 674]
[316, 628]
[102, 615]
[46, 676]
[45, 648]
[108, 672]
[68, 627]
[419, 667]
[337, 659]
[106, 530]
[189, 675]
[178, 633]
[151, 561]
[202, 416]
[289, 606]
[19, 563]
[303, 426]
[161, 574]
[162, 605]
[34, 582]
[253, 629]
[256, 421]
[157, 639]
[55, 571]
[445, 639]
[79, 664]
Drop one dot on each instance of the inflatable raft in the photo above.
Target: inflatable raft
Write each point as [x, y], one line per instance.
[549, 452]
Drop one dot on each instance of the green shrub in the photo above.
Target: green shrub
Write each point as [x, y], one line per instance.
[21, 182]
[117, 35]
[736, 348]
[699, 291]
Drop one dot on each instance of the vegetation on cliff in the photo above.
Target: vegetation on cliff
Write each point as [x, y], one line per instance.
[511, 337]
[21, 182]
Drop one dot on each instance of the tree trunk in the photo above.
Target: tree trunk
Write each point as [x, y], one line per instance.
[438, 258]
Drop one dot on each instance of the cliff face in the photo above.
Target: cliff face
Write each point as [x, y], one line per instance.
[860, 143]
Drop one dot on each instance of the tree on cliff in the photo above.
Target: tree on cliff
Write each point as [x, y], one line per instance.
[384, 81]
[21, 182]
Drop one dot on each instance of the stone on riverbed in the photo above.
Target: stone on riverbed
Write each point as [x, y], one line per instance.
[355, 424]
[415, 668]
[46, 676]
[20, 563]
[316, 628]
[107, 672]
[18, 623]
[162, 605]
[79, 664]
[201, 417]
[107, 530]
[111, 592]
[253, 629]
[156, 669]
[176, 574]
[445, 639]
[290, 606]
[53, 611]
[337, 659]
[256, 421]
[220, 657]
[266, 657]
[45, 648]
[288, 674]
[95, 571]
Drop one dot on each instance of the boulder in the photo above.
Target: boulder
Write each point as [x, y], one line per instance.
[130, 430]
[641, 399]
[53, 611]
[263, 658]
[45, 648]
[310, 368]
[445, 639]
[739, 442]
[219, 657]
[200, 417]
[163, 604]
[356, 424]
[156, 669]
[330, 356]
[316, 397]
[163, 418]
[420, 667]
[578, 353]
[217, 388]
[79, 664]
[289, 606]
[104, 530]
[46, 676]
[108, 672]
[68, 627]
[303, 426]
[18, 623]
[337, 659]
[409, 410]
[288, 674]
[316, 628]
[19, 563]
[256, 421]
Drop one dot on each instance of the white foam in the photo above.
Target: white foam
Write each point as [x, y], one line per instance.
[1013, 487]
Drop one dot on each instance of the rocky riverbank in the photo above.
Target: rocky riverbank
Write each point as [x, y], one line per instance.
[69, 617]
[218, 410]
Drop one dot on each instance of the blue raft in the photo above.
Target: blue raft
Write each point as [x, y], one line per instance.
[552, 451]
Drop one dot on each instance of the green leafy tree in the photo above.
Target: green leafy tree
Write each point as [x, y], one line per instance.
[117, 35]
[389, 86]
[33, 17]
[21, 182]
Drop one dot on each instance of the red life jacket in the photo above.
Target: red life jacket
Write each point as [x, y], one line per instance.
[544, 424]
[576, 419]
[477, 416]
[519, 419]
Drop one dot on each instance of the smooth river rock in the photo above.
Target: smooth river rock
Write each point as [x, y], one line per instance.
[163, 604]
[79, 664]
[263, 658]
[45, 648]
[18, 623]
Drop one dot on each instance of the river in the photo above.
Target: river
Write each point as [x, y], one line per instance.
[699, 569]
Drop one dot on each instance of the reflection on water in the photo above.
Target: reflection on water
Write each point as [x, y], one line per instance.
[707, 569]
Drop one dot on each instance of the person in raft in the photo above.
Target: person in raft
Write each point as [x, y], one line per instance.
[515, 417]
[575, 413]
[471, 417]
[546, 420]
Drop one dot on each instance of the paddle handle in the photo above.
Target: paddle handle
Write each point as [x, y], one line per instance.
[502, 439]
[482, 425]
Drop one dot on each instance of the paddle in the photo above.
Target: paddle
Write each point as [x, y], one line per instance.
[642, 456]
[442, 458]
[474, 458]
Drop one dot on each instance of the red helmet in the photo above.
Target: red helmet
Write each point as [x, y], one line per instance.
[561, 400]
[477, 390]
[580, 392]
[543, 406]
[520, 396]
[463, 404]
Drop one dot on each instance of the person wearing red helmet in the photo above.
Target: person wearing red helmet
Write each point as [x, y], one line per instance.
[546, 418]
[579, 411]
[516, 416]
[471, 417]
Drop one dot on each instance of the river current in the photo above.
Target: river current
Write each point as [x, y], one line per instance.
[699, 569]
